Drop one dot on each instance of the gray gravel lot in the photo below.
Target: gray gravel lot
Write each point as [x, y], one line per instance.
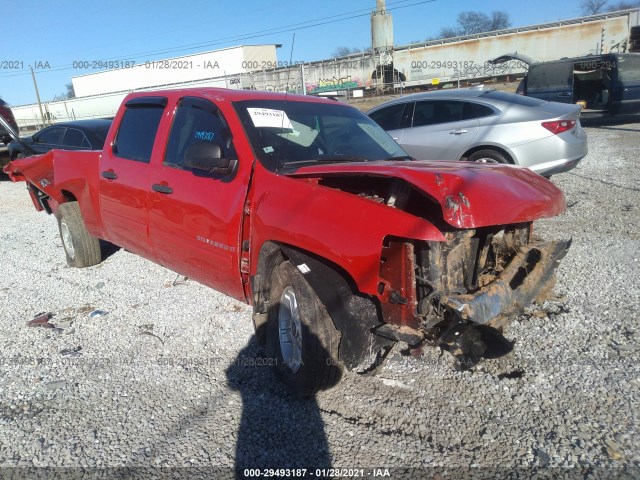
[170, 375]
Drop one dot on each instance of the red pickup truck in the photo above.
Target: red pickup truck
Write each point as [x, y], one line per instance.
[307, 210]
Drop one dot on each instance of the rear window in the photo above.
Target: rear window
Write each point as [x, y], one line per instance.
[513, 98]
[101, 133]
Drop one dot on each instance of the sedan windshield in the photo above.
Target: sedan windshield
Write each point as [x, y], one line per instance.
[289, 134]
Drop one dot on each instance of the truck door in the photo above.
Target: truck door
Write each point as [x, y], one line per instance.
[625, 90]
[551, 81]
[195, 217]
[124, 175]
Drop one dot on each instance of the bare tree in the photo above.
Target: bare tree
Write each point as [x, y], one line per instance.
[70, 93]
[447, 32]
[344, 51]
[476, 22]
[499, 20]
[623, 5]
[592, 7]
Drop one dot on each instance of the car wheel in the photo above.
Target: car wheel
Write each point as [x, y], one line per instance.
[82, 249]
[487, 156]
[302, 341]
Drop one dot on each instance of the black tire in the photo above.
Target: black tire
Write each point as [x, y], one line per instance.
[487, 156]
[318, 368]
[81, 248]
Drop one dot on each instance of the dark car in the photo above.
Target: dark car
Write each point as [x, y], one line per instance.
[78, 135]
[607, 84]
[7, 114]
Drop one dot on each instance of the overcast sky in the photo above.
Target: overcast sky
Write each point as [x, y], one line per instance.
[52, 35]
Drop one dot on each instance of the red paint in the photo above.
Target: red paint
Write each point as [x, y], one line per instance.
[198, 230]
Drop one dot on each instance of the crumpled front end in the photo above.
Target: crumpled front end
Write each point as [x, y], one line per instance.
[527, 276]
[455, 293]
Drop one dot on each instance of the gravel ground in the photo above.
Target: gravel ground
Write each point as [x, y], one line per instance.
[144, 369]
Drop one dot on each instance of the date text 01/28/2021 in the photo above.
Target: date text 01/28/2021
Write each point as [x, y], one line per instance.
[318, 472]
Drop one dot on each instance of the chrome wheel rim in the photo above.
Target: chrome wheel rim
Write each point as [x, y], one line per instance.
[290, 330]
[67, 241]
[487, 160]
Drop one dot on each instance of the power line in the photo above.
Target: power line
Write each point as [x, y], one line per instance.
[236, 38]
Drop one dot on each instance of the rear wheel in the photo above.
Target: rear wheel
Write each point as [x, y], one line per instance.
[302, 341]
[82, 249]
[487, 156]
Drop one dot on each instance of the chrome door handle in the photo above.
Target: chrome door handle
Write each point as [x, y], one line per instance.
[458, 132]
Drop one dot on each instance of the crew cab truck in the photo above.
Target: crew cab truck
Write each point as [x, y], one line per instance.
[307, 210]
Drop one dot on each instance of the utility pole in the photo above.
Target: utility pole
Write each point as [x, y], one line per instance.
[33, 75]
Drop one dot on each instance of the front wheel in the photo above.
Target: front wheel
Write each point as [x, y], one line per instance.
[487, 156]
[82, 248]
[302, 341]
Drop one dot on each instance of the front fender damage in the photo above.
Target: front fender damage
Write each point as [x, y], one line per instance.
[469, 288]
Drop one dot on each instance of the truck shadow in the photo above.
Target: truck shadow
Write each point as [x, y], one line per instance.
[276, 429]
[107, 249]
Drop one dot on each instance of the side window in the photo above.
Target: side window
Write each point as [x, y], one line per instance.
[137, 131]
[196, 120]
[476, 110]
[431, 112]
[389, 118]
[74, 138]
[52, 136]
[423, 114]
[629, 68]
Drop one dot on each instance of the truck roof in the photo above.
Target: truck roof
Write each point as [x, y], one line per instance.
[231, 95]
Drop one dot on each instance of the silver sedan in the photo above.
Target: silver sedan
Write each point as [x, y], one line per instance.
[486, 125]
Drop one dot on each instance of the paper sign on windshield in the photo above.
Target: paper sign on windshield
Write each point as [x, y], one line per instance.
[267, 117]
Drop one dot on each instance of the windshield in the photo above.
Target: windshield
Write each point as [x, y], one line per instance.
[290, 134]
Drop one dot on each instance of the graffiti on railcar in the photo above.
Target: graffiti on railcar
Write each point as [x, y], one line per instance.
[327, 84]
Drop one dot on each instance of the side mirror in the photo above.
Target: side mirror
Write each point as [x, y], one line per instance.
[206, 156]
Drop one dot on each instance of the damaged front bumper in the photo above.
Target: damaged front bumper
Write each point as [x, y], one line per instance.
[471, 325]
[522, 281]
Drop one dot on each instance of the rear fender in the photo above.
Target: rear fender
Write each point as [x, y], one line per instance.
[61, 176]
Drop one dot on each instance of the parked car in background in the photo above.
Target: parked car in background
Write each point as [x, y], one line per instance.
[7, 114]
[486, 125]
[606, 84]
[77, 135]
